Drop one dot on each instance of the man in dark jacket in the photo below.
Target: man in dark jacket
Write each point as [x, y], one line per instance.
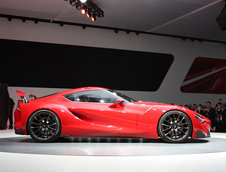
[209, 112]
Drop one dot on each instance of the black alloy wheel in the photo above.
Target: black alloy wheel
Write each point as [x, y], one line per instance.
[175, 127]
[44, 126]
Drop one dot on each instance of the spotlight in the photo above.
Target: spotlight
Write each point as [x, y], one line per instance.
[83, 11]
[83, 1]
[88, 7]
[93, 18]
[88, 14]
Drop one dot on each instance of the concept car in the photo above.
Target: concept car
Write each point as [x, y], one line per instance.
[101, 112]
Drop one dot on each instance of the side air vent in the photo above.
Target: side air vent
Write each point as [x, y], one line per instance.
[79, 115]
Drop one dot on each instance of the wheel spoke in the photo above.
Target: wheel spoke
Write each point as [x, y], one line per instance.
[52, 124]
[185, 127]
[35, 123]
[166, 125]
[181, 120]
[166, 129]
[51, 128]
[35, 127]
[184, 124]
[168, 133]
[37, 130]
[182, 131]
[178, 117]
[167, 121]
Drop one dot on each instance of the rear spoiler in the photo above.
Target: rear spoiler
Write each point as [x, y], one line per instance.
[25, 97]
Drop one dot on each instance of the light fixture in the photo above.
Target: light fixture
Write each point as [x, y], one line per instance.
[88, 14]
[83, 11]
[83, 1]
[93, 18]
[87, 7]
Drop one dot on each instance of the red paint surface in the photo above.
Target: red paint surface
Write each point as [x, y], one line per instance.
[85, 119]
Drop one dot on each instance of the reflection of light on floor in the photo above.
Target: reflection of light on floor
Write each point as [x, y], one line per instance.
[109, 140]
[112, 154]
[219, 135]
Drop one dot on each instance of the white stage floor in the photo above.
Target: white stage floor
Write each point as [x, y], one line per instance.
[20, 153]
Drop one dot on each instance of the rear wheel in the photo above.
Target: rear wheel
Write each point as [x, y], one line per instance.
[175, 127]
[44, 126]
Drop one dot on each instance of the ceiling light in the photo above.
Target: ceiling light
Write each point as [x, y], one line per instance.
[83, 11]
[93, 18]
[83, 1]
[88, 7]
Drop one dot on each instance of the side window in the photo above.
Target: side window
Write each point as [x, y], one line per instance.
[95, 96]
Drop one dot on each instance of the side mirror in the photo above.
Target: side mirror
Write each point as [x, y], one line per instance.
[117, 103]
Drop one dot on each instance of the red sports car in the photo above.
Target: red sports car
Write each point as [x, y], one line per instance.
[101, 112]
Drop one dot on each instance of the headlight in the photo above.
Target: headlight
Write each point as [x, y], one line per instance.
[199, 117]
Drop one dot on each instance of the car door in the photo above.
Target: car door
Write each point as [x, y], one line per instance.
[95, 109]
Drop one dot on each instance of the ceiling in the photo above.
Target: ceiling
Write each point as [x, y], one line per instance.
[192, 18]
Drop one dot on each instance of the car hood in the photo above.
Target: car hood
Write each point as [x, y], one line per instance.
[162, 106]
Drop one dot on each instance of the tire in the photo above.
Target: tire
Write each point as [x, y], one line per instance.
[174, 127]
[44, 126]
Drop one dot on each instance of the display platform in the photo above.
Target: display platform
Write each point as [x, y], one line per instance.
[109, 146]
[106, 154]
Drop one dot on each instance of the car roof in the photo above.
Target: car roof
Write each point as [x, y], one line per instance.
[81, 89]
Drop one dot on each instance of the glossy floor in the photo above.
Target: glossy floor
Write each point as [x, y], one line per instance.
[86, 154]
[109, 146]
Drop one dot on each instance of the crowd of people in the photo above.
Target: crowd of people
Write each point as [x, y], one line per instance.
[216, 114]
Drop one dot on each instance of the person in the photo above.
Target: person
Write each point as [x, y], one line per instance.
[223, 129]
[200, 109]
[194, 107]
[221, 101]
[209, 112]
[190, 106]
[220, 118]
[11, 107]
[186, 106]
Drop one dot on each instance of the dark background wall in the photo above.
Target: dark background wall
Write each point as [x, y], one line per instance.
[31, 64]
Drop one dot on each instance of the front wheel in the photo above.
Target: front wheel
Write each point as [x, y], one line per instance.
[174, 127]
[44, 126]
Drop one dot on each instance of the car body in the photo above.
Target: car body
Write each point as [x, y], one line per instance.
[101, 112]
